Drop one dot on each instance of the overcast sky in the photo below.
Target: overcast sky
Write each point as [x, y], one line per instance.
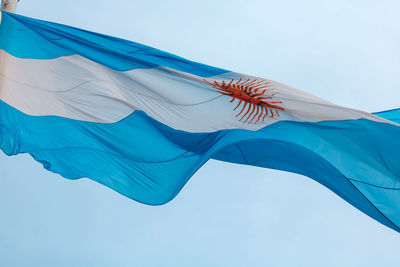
[227, 215]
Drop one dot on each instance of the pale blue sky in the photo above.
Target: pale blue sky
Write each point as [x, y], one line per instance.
[227, 215]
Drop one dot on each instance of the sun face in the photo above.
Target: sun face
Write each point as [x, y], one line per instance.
[254, 97]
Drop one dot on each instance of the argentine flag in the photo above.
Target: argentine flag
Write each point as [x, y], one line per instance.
[142, 121]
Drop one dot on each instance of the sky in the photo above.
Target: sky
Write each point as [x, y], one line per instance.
[226, 215]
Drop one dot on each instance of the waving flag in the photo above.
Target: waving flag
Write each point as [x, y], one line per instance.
[142, 121]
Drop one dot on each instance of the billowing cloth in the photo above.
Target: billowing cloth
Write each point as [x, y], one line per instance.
[142, 121]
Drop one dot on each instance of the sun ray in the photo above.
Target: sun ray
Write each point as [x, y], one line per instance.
[254, 98]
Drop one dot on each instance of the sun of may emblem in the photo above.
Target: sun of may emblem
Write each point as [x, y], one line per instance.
[254, 99]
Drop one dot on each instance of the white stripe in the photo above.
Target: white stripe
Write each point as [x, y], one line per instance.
[77, 88]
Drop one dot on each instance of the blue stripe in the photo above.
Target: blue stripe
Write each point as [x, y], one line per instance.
[25, 37]
[392, 115]
[150, 162]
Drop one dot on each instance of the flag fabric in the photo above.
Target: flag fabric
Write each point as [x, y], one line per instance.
[142, 121]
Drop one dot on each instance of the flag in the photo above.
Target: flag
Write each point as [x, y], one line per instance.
[142, 121]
